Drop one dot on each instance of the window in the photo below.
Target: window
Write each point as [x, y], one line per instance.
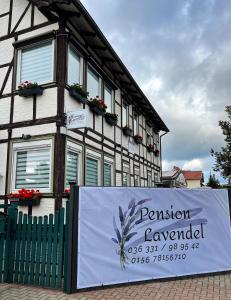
[136, 180]
[32, 166]
[149, 180]
[71, 167]
[73, 67]
[93, 83]
[125, 179]
[135, 124]
[36, 63]
[108, 98]
[91, 171]
[148, 139]
[124, 115]
[107, 174]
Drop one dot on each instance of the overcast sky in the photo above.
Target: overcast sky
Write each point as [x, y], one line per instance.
[179, 52]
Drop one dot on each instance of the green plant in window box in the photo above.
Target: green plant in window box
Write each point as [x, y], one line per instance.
[26, 197]
[138, 139]
[29, 89]
[127, 130]
[97, 106]
[77, 92]
[111, 119]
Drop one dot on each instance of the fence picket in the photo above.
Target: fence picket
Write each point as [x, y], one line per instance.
[33, 249]
[28, 248]
[38, 254]
[44, 245]
[60, 248]
[23, 248]
[49, 250]
[18, 247]
[2, 240]
[54, 252]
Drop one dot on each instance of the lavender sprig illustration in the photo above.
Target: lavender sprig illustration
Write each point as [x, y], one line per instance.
[128, 221]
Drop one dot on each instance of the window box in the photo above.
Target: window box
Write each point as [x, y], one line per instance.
[97, 106]
[78, 93]
[35, 201]
[28, 89]
[150, 148]
[127, 131]
[157, 152]
[111, 119]
[26, 197]
[138, 139]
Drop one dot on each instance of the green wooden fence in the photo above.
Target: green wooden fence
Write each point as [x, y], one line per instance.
[33, 249]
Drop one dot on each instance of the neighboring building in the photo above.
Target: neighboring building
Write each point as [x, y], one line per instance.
[194, 179]
[173, 178]
[56, 43]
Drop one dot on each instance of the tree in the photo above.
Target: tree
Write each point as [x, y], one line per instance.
[223, 158]
[213, 182]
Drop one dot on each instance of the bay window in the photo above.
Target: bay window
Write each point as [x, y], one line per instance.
[36, 63]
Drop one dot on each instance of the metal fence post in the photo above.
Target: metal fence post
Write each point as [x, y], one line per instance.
[72, 241]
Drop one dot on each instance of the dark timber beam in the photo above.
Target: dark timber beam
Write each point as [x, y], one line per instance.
[87, 33]
[59, 149]
[108, 59]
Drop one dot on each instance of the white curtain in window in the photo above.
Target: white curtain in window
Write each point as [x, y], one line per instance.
[107, 175]
[37, 63]
[91, 171]
[33, 169]
[73, 67]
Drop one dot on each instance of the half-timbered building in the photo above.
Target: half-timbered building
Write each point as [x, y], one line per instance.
[56, 43]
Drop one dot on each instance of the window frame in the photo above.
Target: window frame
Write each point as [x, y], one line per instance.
[78, 150]
[89, 66]
[135, 123]
[107, 86]
[126, 107]
[32, 45]
[97, 156]
[110, 162]
[72, 47]
[33, 146]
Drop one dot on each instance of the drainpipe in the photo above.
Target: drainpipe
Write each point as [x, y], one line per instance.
[161, 155]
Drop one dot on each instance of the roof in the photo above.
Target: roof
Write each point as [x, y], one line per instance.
[82, 23]
[193, 175]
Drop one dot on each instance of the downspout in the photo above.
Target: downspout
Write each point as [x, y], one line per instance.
[161, 154]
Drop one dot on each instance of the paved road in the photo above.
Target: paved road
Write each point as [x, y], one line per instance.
[204, 288]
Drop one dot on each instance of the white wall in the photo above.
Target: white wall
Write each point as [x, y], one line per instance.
[3, 159]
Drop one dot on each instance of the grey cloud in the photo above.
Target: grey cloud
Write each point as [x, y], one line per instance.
[187, 45]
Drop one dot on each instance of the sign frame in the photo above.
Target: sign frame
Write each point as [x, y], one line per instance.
[72, 258]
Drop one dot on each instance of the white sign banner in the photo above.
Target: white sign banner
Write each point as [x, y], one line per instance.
[77, 119]
[134, 234]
